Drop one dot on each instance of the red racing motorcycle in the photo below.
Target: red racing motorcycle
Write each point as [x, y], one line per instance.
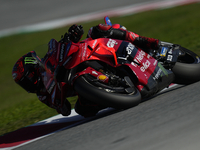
[115, 73]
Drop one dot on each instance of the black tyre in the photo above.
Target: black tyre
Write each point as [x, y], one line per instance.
[101, 95]
[187, 69]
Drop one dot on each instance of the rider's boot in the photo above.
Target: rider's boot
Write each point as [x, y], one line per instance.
[142, 42]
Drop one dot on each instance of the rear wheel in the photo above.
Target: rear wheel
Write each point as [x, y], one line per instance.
[187, 69]
[121, 96]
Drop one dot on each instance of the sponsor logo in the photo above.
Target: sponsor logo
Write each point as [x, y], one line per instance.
[29, 60]
[95, 42]
[163, 51]
[130, 48]
[102, 77]
[169, 57]
[158, 74]
[140, 56]
[145, 66]
[111, 43]
[84, 50]
[170, 51]
[148, 56]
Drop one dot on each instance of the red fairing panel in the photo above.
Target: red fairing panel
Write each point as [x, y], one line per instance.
[104, 49]
[100, 76]
[99, 49]
[145, 69]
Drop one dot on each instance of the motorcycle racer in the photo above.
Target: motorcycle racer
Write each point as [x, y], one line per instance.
[28, 75]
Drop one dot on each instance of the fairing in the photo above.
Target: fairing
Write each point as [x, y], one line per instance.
[151, 76]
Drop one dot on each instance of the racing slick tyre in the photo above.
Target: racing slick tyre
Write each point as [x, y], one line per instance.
[104, 96]
[187, 69]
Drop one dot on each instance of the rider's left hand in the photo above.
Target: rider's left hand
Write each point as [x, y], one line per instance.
[75, 33]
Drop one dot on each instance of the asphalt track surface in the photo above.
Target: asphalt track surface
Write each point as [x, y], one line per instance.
[167, 121]
[27, 12]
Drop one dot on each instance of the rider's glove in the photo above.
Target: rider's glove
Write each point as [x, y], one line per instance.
[65, 38]
[106, 31]
[99, 31]
[75, 33]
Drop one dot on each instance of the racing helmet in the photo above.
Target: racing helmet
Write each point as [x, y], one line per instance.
[26, 73]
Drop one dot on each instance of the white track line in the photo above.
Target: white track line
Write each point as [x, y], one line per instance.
[74, 114]
[132, 9]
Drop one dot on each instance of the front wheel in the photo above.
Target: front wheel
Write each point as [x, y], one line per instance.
[106, 95]
[187, 69]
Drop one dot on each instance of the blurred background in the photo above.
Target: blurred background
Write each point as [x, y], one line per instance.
[177, 25]
[27, 12]
[21, 13]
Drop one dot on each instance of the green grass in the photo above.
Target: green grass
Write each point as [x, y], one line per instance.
[178, 25]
